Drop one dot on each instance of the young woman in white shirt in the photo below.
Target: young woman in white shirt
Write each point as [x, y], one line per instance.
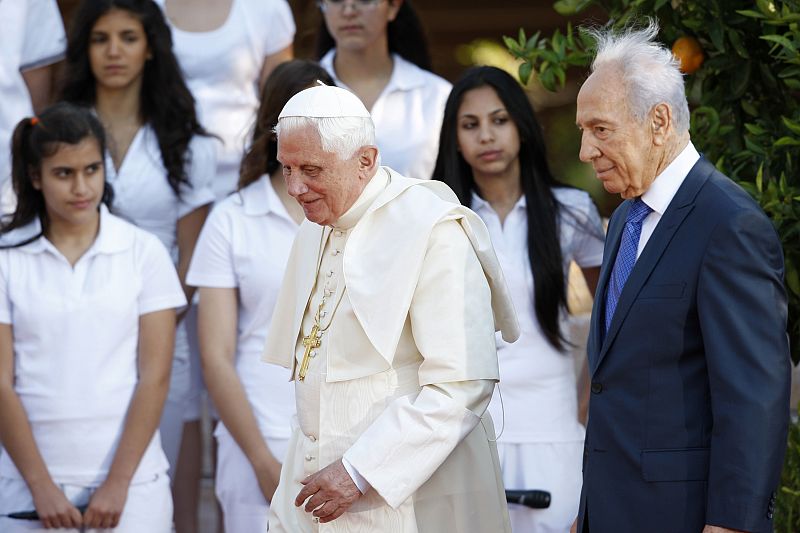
[238, 267]
[160, 162]
[492, 154]
[87, 323]
[377, 50]
[227, 49]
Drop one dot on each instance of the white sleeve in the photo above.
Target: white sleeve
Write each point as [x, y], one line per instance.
[161, 288]
[201, 172]
[212, 262]
[278, 24]
[588, 237]
[45, 42]
[451, 319]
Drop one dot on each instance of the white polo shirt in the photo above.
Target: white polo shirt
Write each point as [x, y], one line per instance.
[142, 194]
[537, 382]
[222, 68]
[76, 333]
[407, 115]
[245, 244]
[31, 36]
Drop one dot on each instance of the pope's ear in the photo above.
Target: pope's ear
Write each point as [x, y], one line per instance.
[368, 157]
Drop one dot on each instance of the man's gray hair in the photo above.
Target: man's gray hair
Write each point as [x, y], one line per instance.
[340, 135]
[650, 71]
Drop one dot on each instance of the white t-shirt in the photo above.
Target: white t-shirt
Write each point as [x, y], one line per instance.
[222, 68]
[245, 244]
[31, 36]
[537, 383]
[407, 116]
[143, 195]
[76, 336]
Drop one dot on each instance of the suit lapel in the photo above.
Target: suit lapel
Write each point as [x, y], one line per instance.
[680, 206]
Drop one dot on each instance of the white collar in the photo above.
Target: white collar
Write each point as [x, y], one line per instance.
[260, 198]
[371, 191]
[479, 203]
[111, 237]
[405, 75]
[663, 189]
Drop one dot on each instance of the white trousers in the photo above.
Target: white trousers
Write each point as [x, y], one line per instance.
[147, 509]
[243, 505]
[551, 466]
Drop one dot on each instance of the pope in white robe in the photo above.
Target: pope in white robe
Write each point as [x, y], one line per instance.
[387, 319]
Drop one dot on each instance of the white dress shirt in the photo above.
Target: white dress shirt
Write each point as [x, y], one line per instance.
[76, 338]
[222, 69]
[245, 244]
[663, 189]
[537, 382]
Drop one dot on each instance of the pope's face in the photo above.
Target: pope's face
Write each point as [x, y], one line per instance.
[324, 185]
[619, 147]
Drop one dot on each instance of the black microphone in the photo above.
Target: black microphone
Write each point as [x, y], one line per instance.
[535, 499]
[33, 515]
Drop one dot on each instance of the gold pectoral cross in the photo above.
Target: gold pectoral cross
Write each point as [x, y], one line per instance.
[311, 341]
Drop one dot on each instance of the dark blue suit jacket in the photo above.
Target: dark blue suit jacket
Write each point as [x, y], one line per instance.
[689, 408]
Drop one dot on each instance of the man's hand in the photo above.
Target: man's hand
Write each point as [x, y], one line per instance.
[717, 529]
[330, 492]
[574, 527]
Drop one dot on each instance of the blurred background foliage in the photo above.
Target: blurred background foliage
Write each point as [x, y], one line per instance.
[742, 69]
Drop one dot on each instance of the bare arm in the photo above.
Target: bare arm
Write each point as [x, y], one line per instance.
[592, 276]
[17, 437]
[156, 344]
[189, 227]
[40, 85]
[217, 321]
[271, 61]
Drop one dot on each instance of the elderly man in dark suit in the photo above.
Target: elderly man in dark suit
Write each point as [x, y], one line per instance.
[688, 351]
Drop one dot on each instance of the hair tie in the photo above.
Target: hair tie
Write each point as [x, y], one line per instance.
[34, 121]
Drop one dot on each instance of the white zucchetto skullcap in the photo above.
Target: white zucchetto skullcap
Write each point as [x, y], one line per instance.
[324, 101]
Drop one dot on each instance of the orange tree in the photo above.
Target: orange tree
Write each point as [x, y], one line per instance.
[743, 84]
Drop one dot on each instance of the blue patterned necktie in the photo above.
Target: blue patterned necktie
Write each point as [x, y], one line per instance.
[626, 256]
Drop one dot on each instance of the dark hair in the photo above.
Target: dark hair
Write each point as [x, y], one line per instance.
[405, 35]
[285, 81]
[36, 139]
[536, 180]
[165, 102]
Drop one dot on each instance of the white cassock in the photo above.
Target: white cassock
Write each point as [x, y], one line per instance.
[406, 365]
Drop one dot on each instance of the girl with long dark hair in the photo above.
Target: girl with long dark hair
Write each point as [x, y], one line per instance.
[87, 324]
[492, 153]
[238, 267]
[160, 163]
[377, 50]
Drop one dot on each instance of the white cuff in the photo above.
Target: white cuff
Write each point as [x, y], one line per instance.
[362, 484]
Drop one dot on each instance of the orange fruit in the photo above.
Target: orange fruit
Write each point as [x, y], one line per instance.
[689, 53]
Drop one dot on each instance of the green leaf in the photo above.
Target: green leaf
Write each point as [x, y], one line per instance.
[736, 40]
[793, 126]
[760, 178]
[786, 141]
[755, 129]
[749, 108]
[781, 40]
[750, 13]
[522, 39]
[767, 7]
[792, 278]
[792, 83]
[511, 44]
[525, 70]
[570, 7]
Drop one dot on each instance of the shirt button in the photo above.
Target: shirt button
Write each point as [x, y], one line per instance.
[337, 252]
[312, 354]
[309, 457]
[322, 315]
[312, 438]
[597, 387]
[337, 233]
[330, 273]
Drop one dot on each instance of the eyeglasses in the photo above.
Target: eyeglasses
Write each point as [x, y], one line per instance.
[362, 5]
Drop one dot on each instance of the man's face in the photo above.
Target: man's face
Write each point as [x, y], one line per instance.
[324, 185]
[620, 149]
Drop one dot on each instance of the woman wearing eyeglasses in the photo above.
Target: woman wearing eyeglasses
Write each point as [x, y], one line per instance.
[377, 49]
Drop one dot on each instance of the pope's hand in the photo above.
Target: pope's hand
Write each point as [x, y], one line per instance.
[717, 529]
[330, 492]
